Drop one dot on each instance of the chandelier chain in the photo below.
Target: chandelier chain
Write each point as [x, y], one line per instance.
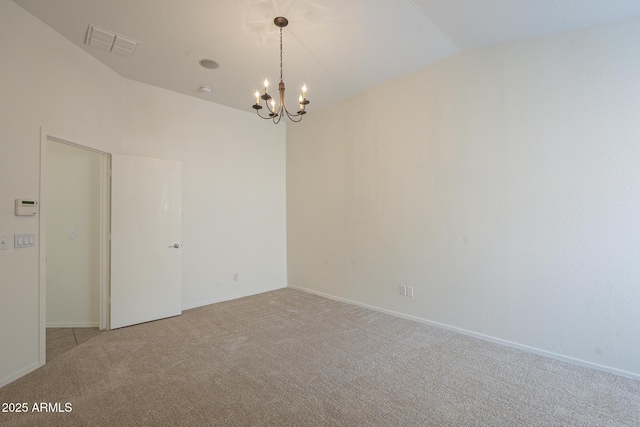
[281, 79]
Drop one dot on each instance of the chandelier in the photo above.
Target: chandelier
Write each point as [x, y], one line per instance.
[277, 110]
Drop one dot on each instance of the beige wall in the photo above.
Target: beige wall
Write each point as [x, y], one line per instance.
[502, 184]
[233, 172]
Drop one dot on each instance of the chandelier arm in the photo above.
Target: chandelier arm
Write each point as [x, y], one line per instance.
[261, 116]
[298, 114]
[292, 117]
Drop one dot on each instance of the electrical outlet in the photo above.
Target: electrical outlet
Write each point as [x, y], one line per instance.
[235, 277]
[405, 290]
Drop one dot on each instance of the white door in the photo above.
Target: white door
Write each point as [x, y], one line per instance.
[146, 216]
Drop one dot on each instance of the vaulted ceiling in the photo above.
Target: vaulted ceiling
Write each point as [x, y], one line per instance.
[337, 47]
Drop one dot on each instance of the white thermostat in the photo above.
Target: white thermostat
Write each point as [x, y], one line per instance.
[26, 207]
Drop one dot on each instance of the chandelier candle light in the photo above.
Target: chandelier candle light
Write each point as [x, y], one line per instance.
[276, 112]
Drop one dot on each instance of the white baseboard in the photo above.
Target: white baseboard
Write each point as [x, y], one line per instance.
[533, 350]
[232, 297]
[73, 325]
[20, 373]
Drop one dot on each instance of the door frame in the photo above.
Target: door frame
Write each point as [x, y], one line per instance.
[105, 229]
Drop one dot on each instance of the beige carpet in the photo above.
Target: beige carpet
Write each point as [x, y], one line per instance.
[288, 358]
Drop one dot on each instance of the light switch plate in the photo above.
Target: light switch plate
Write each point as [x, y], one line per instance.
[24, 241]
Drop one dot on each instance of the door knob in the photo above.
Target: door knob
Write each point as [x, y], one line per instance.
[175, 246]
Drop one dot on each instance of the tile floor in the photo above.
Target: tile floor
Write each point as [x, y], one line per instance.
[61, 340]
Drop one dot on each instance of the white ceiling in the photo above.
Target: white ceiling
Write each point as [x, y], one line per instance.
[337, 47]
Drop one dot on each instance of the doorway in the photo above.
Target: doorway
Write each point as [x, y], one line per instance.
[74, 247]
[72, 199]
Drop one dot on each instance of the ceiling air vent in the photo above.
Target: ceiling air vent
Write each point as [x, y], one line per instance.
[108, 40]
